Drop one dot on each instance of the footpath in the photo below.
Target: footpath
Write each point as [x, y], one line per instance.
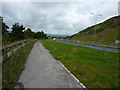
[43, 71]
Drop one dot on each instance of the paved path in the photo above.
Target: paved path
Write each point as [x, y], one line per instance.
[43, 71]
[96, 47]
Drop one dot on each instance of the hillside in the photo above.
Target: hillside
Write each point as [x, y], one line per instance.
[106, 33]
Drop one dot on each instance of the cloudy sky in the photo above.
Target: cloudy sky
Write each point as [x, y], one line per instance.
[64, 18]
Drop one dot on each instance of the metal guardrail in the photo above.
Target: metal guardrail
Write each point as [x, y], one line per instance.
[10, 53]
[117, 50]
[114, 47]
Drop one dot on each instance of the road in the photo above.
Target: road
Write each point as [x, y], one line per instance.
[43, 71]
[96, 47]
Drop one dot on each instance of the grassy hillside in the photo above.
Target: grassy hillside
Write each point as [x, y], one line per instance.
[106, 32]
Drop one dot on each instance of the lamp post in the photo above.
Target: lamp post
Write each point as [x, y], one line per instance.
[94, 39]
[1, 20]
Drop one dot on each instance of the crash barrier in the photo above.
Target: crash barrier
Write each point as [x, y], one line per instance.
[99, 45]
[114, 47]
[10, 53]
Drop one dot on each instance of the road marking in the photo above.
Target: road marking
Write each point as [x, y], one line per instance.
[71, 74]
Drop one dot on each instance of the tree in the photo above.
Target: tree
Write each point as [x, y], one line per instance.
[5, 32]
[40, 35]
[28, 34]
[17, 32]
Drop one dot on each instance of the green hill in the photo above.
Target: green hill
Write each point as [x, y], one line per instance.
[106, 33]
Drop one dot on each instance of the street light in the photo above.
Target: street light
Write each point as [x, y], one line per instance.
[1, 20]
[95, 25]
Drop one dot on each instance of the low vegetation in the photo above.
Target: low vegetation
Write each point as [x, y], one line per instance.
[5, 51]
[94, 68]
[13, 66]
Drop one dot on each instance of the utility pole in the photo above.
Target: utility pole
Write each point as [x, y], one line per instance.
[1, 20]
[94, 38]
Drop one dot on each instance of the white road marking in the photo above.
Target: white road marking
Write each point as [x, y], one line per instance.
[72, 75]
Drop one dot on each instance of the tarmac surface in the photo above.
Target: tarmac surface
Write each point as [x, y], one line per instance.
[95, 47]
[43, 71]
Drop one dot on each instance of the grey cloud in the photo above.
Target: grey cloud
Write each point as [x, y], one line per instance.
[58, 18]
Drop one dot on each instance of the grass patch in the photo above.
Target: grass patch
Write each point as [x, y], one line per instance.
[94, 68]
[13, 66]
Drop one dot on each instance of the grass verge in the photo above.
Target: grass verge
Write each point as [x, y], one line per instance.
[94, 68]
[13, 66]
